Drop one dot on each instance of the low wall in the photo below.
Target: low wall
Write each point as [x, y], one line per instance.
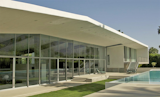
[121, 70]
[140, 70]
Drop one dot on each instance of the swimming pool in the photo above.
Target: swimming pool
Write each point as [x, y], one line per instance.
[151, 77]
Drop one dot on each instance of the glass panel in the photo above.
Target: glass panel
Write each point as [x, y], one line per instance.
[101, 66]
[22, 44]
[44, 71]
[54, 47]
[69, 69]
[88, 52]
[33, 71]
[96, 66]
[62, 70]
[6, 70]
[53, 71]
[128, 55]
[21, 72]
[76, 68]
[76, 49]
[45, 46]
[87, 69]
[81, 71]
[92, 52]
[101, 52]
[96, 53]
[34, 45]
[69, 47]
[7, 43]
[82, 51]
[62, 48]
[92, 65]
[132, 55]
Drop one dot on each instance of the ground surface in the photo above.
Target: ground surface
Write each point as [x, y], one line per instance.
[77, 91]
[129, 90]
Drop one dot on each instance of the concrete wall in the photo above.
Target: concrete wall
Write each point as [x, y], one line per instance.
[143, 56]
[116, 54]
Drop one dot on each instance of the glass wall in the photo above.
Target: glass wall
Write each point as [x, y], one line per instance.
[69, 69]
[45, 71]
[53, 70]
[33, 71]
[130, 54]
[21, 72]
[7, 44]
[62, 69]
[6, 72]
[36, 58]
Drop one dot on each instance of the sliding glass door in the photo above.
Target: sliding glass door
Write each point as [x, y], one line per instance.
[6, 72]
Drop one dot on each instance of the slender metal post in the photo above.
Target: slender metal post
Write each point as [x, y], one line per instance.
[39, 71]
[72, 68]
[57, 70]
[78, 67]
[66, 69]
[49, 71]
[13, 76]
[27, 72]
[84, 66]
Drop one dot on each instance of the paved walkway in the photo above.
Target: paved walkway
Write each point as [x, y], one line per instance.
[129, 90]
[24, 92]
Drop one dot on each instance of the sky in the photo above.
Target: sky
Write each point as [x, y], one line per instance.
[138, 19]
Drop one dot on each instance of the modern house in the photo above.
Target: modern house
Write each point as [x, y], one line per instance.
[39, 45]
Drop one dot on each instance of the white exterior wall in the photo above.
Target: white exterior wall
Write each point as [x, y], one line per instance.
[143, 56]
[116, 54]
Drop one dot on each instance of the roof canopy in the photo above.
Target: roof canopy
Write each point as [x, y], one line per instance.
[23, 18]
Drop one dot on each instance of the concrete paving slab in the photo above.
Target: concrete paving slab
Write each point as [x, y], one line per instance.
[25, 92]
[129, 90]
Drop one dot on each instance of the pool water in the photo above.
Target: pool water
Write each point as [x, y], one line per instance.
[151, 77]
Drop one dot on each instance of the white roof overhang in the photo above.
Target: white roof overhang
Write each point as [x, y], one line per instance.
[23, 18]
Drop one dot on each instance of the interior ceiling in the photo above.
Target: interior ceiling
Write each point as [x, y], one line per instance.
[24, 22]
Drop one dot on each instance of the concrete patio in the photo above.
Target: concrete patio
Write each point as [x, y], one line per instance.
[129, 90]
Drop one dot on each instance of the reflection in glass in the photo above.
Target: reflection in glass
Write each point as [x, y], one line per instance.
[82, 50]
[92, 65]
[53, 71]
[88, 52]
[96, 53]
[76, 49]
[81, 71]
[22, 44]
[33, 71]
[21, 72]
[69, 69]
[44, 71]
[87, 65]
[76, 68]
[92, 53]
[45, 45]
[62, 48]
[69, 47]
[34, 44]
[7, 43]
[62, 70]
[96, 66]
[6, 69]
[54, 47]
[101, 66]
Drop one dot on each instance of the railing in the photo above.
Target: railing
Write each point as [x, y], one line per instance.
[143, 59]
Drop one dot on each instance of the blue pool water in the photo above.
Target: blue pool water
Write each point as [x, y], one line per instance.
[151, 77]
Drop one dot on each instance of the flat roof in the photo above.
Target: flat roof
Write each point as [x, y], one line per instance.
[19, 17]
